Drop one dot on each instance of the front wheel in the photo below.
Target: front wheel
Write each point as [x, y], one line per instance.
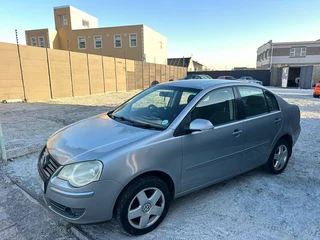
[279, 157]
[143, 205]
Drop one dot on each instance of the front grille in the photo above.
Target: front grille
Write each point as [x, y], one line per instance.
[50, 166]
[66, 211]
[47, 165]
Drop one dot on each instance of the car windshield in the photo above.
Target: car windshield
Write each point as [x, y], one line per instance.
[154, 108]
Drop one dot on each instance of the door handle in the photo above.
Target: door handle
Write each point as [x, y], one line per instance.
[237, 132]
[277, 120]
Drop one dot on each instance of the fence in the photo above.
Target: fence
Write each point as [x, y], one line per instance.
[34, 73]
[262, 75]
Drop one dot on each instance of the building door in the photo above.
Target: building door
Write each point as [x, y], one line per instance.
[306, 77]
[284, 79]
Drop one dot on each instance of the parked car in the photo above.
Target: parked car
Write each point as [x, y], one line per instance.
[165, 142]
[197, 76]
[227, 77]
[316, 92]
[250, 80]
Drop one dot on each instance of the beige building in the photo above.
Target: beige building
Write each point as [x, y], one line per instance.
[78, 31]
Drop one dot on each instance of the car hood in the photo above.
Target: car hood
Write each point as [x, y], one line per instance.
[92, 138]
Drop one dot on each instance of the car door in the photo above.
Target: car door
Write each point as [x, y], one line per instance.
[262, 123]
[212, 155]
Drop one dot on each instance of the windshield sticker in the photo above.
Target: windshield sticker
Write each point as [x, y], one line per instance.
[165, 122]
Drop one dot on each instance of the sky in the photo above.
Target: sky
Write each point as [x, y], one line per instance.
[219, 34]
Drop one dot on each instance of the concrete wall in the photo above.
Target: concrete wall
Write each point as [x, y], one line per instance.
[10, 74]
[60, 75]
[50, 73]
[96, 74]
[35, 73]
[109, 68]
[80, 79]
[154, 51]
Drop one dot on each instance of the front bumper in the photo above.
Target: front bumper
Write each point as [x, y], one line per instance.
[89, 204]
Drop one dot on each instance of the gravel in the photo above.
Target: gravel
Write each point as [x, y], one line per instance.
[254, 205]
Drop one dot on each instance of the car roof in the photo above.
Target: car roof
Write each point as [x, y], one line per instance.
[203, 83]
[197, 75]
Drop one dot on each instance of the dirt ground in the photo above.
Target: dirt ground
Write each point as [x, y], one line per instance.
[255, 205]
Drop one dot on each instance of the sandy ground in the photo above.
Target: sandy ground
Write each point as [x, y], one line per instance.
[255, 205]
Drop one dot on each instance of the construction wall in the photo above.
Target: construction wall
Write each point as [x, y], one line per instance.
[10, 73]
[36, 74]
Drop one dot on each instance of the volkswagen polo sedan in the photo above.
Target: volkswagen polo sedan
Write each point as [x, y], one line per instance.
[165, 142]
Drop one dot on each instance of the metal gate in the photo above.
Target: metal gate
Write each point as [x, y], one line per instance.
[306, 77]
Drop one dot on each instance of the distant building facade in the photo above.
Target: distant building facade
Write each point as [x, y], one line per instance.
[189, 63]
[299, 62]
[78, 31]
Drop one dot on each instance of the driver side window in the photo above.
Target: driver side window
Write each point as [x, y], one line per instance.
[217, 106]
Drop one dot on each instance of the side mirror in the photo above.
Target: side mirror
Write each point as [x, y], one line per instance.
[200, 125]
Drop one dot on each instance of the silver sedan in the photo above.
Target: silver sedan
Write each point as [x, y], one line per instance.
[167, 141]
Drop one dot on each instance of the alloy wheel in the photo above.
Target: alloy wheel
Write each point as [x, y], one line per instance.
[146, 208]
[280, 157]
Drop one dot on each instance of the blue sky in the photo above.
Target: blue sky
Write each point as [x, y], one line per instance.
[219, 34]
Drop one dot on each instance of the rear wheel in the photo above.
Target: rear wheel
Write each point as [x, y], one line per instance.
[143, 205]
[279, 157]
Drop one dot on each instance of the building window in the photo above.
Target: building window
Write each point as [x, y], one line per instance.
[160, 45]
[298, 52]
[41, 42]
[63, 20]
[34, 41]
[81, 42]
[85, 23]
[117, 41]
[97, 42]
[133, 39]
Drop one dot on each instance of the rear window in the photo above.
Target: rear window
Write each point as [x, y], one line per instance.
[271, 101]
[253, 101]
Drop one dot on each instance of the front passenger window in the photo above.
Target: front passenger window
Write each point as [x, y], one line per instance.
[217, 106]
[253, 101]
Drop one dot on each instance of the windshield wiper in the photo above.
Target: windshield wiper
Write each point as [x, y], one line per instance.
[134, 123]
[120, 118]
[147, 126]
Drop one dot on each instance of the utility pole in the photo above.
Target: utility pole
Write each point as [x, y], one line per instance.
[21, 72]
[2, 147]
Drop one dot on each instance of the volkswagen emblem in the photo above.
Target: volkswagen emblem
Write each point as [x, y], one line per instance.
[146, 207]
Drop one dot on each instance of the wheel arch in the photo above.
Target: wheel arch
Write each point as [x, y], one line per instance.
[288, 138]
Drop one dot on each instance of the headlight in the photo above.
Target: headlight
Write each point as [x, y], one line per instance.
[80, 174]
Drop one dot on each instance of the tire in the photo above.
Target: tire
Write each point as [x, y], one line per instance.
[143, 197]
[279, 157]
